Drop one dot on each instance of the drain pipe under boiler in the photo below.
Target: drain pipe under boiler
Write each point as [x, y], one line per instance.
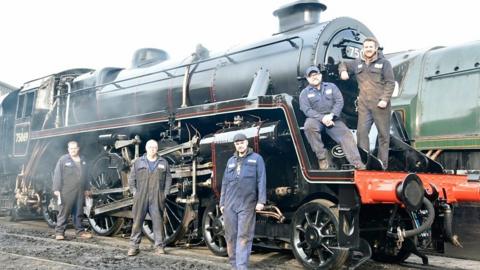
[67, 108]
[401, 234]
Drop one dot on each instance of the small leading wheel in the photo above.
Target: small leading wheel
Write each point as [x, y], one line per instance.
[213, 230]
[315, 237]
[172, 225]
[49, 212]
[13, 214]
[385, 249]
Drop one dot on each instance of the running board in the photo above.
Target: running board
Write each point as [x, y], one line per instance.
[127, 202]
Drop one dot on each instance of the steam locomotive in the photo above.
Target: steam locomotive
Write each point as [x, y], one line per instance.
[328, 218]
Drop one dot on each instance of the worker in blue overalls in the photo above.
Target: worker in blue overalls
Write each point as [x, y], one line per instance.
[71, 185]
[243, 192]
[322, 104]
[150, 182]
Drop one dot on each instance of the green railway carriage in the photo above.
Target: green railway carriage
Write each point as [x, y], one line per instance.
[438, 98]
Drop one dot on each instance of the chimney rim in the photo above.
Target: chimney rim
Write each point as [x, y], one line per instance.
[312, 4]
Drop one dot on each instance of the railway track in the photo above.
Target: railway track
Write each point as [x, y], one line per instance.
[34, 247]
[29, 260]
[30, 244]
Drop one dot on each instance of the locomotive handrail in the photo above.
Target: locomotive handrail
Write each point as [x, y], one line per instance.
[456, 72]
[226, 55]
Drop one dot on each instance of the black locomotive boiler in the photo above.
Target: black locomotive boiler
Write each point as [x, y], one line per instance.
[193, 108]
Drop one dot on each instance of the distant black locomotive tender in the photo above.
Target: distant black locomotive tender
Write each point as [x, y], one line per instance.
[194, 108]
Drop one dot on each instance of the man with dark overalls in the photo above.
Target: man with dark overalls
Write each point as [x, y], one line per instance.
[322, 103]
[243, 192]
[376, 82]
[71, 185]
[150, 182]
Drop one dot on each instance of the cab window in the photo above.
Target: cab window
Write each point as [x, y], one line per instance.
[25, 105]
[21, 101]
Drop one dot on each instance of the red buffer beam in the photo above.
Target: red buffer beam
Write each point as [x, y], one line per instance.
[381, 187]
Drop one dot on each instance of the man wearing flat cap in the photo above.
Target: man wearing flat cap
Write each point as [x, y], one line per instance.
[243, 192]
[322, 103]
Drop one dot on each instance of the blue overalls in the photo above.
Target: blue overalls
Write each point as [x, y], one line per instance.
[315, 104]
[243, 186]
[71, 180]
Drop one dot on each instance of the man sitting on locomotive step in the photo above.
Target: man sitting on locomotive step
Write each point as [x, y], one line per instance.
[322, 103]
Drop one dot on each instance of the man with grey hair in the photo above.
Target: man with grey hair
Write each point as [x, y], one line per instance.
[70, 186]
[374, 75]
[149, 181]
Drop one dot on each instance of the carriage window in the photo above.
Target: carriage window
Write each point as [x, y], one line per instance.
[21, 99]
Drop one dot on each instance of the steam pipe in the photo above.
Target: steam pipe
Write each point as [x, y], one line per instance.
[272, 215]
[194, 178]
[137, 147]
[400, 234]
[272, 211]
[186, 78]
[447, 225]
[58, 116]
[69, 89]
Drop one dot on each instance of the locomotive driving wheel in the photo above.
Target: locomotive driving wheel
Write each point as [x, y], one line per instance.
[106, 174]
[178, 215]
[174, 221]
[314, 236]
[214, 230]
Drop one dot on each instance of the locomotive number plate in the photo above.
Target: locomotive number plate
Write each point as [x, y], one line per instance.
[352, 52]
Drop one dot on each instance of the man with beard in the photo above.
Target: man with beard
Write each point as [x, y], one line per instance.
[243, 192]
[374, 75]
[322, 103]
[70, 186]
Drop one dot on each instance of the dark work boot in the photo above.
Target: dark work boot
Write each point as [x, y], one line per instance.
[85, 235]
[160, 251]
[133, 251]
[360, 166]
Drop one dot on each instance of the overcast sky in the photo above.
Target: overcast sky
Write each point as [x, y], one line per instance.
[48, 36]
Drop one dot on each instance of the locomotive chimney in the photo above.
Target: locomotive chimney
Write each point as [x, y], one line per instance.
[298, 14]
